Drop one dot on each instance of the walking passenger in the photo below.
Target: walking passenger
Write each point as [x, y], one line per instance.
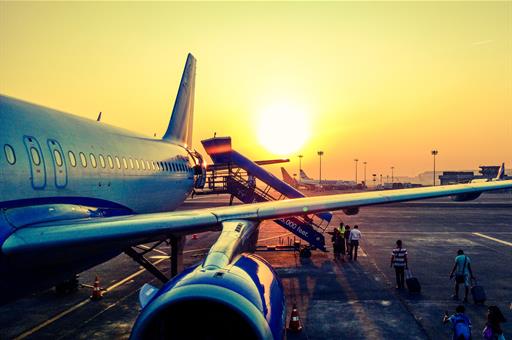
[463, 274]
[399, 261]
[461, 325]
[492, 330]
[355, 236]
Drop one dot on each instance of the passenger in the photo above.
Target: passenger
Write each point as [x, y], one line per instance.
[399, 261]
[341, 231]
[463, 274]
[337, 244]
[492, 330]
[355, 236]
[334, 239]
[346, 236]
[461, 325]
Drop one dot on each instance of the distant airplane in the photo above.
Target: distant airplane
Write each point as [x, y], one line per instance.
[313, 184]
[74, 193]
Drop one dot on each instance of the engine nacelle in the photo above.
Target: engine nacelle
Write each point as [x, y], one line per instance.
[351, 211]
[466, 197]
[242, 301]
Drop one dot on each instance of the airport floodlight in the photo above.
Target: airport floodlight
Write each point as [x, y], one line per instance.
[364, 163]
[392, 175]
[356, 160]
[434, 153]
[320, 154]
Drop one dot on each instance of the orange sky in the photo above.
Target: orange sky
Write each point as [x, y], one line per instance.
[381, 82]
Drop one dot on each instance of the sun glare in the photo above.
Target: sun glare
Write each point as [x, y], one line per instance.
[283, 128]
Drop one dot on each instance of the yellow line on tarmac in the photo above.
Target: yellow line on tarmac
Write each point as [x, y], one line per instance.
[494, 239]
[78, 305]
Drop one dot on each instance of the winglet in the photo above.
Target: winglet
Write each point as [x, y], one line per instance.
[180, 125]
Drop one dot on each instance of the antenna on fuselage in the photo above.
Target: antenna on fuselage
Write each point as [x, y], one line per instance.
[99, 117]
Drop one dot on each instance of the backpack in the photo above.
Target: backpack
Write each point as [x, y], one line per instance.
[461, 328]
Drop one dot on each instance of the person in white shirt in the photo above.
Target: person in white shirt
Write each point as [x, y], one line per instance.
[355, 236]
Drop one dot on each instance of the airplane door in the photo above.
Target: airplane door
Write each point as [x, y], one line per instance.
[36, 161]
[59, 163]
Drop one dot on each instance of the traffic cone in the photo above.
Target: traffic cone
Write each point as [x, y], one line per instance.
[97, 293]
[295, 324]
[194, 236]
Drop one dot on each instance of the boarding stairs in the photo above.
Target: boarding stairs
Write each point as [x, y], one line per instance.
[234, 174]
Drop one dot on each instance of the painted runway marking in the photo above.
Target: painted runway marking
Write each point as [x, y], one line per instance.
[80, 304]
[494, 239]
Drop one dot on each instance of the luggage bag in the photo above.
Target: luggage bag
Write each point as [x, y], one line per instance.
[478, 293]
[413, 284]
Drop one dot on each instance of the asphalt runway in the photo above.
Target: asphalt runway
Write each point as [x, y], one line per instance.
[347, 300]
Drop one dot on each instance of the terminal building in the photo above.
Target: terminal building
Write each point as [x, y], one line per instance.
[486, 171]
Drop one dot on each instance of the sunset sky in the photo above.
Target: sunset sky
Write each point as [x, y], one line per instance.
[384, 82]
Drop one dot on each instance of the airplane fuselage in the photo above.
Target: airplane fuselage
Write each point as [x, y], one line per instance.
[50, 157]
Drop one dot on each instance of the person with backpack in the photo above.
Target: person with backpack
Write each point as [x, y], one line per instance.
[492, 330]
[463, 274]
[461, 325]
[399, 261]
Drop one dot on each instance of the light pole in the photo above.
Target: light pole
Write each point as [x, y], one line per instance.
[320, 154]
[392, 176]
[364, 173]
[380, 179]
[300, 164]
[434, 153]
[356, 160]
[374, 179]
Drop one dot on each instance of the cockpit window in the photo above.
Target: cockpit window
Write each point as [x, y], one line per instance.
[9, 154]
[36, 159]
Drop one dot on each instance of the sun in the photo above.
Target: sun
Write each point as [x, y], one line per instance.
[283, 128]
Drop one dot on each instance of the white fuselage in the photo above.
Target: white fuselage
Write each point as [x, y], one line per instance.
[41, 152]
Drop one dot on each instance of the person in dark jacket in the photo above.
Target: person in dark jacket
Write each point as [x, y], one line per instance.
[346, 237]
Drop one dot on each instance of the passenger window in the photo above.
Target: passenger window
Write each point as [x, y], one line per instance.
[118, 163]
[166, 167]
[9, 154]
[72, 158]
[36, 159]
[93, 160]
[143, 164]
[102, 160]
[83, 160]
[131, 163]
[125, 164]
[137, 164]
[153, 165]
[110, 162]
[58, 157]
[147, 165]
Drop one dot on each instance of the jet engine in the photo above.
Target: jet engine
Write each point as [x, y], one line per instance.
[351, 211]
[243, 300]
[466, 197]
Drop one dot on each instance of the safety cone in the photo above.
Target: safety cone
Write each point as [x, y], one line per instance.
[295, 324]
[194, 236]
[97, 293]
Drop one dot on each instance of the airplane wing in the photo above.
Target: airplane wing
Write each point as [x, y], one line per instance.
[123, 231]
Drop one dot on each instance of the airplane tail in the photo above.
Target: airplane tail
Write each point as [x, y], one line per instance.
[501, 173]
[303, 175]
[181, 123]
[287, 178]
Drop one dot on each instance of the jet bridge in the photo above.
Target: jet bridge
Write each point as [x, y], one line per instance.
[235, 174]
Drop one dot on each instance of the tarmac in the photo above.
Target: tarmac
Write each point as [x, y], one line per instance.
[335, 299]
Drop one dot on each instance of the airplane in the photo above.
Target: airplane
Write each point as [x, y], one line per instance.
[76, 192]
[312, 184]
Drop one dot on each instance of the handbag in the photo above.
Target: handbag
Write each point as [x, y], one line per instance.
[459, 278]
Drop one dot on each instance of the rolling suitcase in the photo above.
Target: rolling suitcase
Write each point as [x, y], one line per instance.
[413, 285]
[478, 293]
